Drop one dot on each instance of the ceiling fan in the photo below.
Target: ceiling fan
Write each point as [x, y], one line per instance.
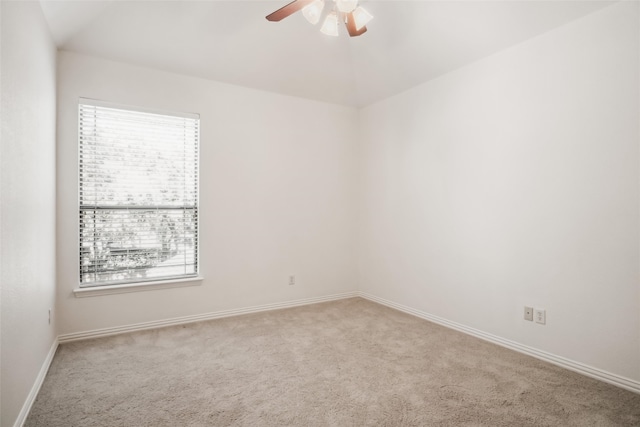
[355, 17]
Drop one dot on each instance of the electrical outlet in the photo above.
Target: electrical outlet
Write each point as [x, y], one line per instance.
[292, 280]
[49, 316]
[528, 314]
[540, 315]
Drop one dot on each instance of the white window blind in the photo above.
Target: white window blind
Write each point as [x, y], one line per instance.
[138, 195]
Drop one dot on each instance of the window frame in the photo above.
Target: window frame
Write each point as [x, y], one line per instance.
[135, 284]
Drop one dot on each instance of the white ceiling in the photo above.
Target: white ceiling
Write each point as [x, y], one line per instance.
[408, 42]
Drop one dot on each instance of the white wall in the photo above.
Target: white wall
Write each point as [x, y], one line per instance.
[276, 195]
[514, 181]
[27, 196]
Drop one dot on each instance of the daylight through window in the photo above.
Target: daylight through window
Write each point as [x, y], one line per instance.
[138, 195]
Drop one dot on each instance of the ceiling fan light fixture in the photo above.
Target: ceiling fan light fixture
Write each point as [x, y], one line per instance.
[361, 17]
[352, 16]
[330, 24]
[313, 11]
[346, 6]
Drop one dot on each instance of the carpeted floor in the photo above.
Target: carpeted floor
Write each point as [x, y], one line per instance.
[344, 363]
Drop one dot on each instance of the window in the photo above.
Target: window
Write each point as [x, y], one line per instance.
[138, 194]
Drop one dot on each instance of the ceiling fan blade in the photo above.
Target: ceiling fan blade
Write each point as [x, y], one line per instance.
[351, 26]
[287, 10]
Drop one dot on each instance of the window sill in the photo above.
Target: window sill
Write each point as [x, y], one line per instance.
[136, 287]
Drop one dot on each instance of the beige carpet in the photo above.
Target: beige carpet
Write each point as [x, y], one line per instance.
[343, 363]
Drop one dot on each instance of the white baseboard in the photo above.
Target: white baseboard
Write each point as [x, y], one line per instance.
[65, 338]
[24, 412]
[578, 367]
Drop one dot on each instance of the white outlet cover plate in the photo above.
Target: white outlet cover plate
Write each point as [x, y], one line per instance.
[528, 314]
[540, 316]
